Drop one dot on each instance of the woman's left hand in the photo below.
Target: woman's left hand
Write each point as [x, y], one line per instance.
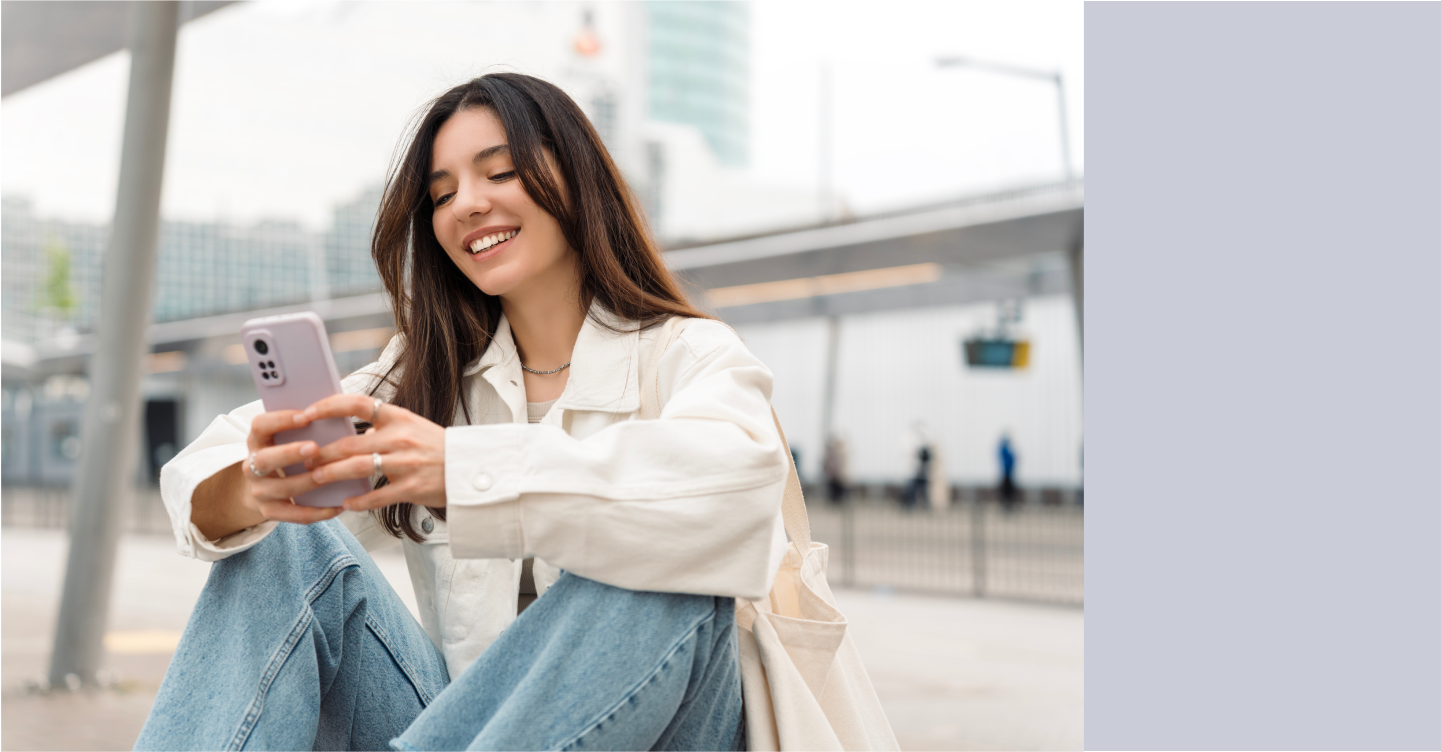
[411, 449]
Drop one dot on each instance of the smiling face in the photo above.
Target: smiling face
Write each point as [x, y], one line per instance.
[489, 226]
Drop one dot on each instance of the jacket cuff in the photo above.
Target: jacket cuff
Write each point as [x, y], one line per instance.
[490, 531]
[208, 550]
[178, 480]
[483, 464]
[483, 477]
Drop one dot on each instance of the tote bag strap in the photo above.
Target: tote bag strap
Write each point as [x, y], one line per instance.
[793, 502]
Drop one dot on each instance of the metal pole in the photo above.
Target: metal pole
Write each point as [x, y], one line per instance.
[1078, 285]
[828, 409]
[828, 406]
[978, 547]
[1023, 72]
[106, 472]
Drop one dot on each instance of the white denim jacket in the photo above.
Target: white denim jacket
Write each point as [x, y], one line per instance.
[689, 503]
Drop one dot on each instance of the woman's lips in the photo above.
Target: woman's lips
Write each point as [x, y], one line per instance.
[490, 252]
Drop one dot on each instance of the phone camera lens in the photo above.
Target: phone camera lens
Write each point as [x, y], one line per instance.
[265, 375]
[261, 347]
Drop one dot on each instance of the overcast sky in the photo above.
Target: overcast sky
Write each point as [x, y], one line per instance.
[904, 130]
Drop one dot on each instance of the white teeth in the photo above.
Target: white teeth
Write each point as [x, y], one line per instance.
[489, 241]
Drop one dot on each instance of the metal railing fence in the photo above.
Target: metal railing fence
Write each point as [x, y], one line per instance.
[972, 548]
[49, 507]
[975, 548]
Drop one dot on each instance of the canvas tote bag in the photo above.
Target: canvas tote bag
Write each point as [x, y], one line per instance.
[802, 679]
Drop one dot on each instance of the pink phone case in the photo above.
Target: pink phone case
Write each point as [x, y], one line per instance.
[292, 367]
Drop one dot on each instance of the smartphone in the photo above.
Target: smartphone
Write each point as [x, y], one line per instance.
[292, 367]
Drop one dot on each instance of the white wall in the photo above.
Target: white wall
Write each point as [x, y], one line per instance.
[903, 367]
[701, 198]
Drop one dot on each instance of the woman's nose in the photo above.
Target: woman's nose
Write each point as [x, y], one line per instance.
[470, 201]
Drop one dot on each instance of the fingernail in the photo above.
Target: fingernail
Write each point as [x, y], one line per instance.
[318, 476]
[307, 449]
[299, 418]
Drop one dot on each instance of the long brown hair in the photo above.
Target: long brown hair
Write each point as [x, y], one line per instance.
[445, 320]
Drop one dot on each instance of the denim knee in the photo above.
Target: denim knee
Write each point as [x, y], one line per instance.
[293, 556]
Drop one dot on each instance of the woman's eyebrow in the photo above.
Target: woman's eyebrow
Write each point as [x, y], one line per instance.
[479, 157]
[485, 154]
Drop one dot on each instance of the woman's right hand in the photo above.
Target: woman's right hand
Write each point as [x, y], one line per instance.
[235, 498]
[270, 494]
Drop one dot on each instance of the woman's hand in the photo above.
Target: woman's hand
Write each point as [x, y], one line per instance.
[268, 494]
[411, 449]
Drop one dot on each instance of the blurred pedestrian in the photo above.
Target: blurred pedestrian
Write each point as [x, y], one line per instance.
[1009, 495]
[833, 466]
[920, 487]
[938, 488]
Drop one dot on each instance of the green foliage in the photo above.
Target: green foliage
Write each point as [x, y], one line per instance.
[58, 294]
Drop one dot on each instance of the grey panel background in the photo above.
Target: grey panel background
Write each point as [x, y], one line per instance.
[1263, 368]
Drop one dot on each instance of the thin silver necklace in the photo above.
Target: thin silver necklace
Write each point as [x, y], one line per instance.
[542, 373]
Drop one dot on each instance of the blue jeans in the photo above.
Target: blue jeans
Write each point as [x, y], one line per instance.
[300, 643]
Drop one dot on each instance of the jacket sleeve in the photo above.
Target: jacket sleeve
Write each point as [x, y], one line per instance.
[223, 444]
[687, 503]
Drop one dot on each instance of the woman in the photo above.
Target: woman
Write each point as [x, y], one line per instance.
[504, 423]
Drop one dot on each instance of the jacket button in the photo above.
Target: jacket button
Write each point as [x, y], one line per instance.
[428, 525]
[481, 481]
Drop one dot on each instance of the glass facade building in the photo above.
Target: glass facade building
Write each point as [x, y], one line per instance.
[203, 268]
[699, 72]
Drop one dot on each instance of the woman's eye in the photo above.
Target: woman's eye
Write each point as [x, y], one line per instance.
[440, 201]
[502, 176]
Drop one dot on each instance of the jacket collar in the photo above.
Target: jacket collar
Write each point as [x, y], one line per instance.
[500, 352]
[604, 366]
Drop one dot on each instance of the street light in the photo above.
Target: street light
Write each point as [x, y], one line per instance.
[1077, 252]
[1016, 70]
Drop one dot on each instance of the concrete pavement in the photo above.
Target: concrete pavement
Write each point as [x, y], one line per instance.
[952, 673]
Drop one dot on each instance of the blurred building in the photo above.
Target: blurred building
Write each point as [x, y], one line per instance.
[53, 268]
[348, 265]
[51, 272]
[699, 70]
[209, 268]
[668, 87]
[52, 287]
